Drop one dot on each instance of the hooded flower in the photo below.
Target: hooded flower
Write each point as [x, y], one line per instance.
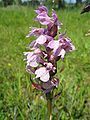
[66, 44]
[33, 58]
[44, 19]
[41, 40]
[36, 32]
[61, 46]
[41, 9]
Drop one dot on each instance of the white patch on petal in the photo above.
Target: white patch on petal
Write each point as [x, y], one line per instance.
[39, 72]
[41, 40]
[33, 61]
[43, 74]
[62, 53]
[33, 64]
[56, 45]
[53, 45]
[37, 51]
[45, 77]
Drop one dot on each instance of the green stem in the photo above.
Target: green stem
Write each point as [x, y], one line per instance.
[49, 104]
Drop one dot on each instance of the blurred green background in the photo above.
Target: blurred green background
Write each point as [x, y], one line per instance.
[18, 99]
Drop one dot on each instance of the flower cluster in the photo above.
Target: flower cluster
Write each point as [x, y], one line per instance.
[45, 51]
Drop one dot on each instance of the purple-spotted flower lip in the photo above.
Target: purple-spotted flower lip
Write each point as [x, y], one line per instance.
[49, 66]
[44, 72]
[41, 40]
[33, 60]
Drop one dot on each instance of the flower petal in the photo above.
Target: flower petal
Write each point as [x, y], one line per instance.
[41, 40]
[62, 53]
[43, 74]
[41, 9]
[44, 19]
[36, 32]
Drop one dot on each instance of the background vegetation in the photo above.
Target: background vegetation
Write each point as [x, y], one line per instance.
[18, 99]
[56, 3]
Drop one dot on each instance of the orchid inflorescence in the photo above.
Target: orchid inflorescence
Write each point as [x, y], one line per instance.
[44, 52]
